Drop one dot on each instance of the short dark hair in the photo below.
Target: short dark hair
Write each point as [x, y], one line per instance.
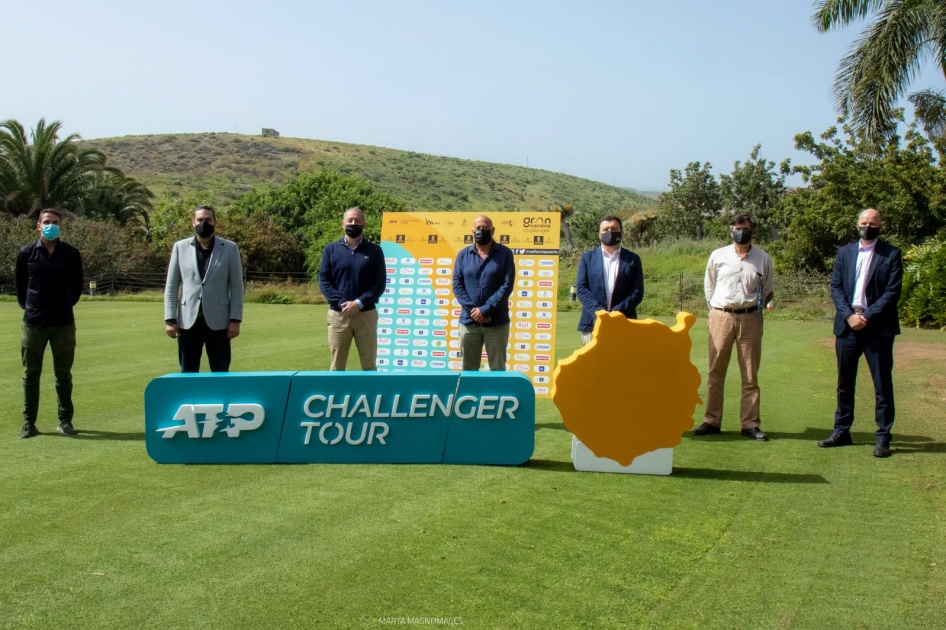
[207, 208]
[609, 218]
[54, 211]
[742, 218]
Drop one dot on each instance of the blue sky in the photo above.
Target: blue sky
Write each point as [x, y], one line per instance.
[619, 92]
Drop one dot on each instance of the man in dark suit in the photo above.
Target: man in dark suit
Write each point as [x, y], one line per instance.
[610, 278]
[865, 287]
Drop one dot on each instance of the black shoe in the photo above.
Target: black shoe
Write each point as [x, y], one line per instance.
[29, 430]
[882, 449]
[838, 438]
[706, 429]
[66, 428]
[755, 434]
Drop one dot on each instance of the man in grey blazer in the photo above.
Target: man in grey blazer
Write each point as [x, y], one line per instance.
[203, 296]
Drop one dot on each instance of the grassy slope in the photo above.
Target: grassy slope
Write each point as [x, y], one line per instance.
[231, 164]
[743, 535]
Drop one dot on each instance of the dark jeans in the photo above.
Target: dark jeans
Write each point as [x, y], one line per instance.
[62, 342]
[878, 350]
[190, 346]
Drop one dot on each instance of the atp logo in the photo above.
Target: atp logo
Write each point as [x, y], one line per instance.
[235, 418]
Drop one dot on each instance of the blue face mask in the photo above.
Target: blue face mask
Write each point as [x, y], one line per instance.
[50, 231]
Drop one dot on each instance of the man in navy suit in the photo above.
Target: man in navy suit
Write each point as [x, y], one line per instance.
[865, 287]
[610, 278]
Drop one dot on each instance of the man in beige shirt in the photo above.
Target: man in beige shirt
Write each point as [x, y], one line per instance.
[738, 283]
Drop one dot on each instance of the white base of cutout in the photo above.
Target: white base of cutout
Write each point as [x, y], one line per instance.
[659, 462]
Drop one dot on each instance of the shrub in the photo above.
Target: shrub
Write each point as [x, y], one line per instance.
[923, 301]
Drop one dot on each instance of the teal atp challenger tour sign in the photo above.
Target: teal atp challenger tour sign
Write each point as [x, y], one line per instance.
[340, 417]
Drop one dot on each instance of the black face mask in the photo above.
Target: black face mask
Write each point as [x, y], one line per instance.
[868, 232]
[610, 238]
[204, 229]
[354, 230]
[742, 236]
[483, 237]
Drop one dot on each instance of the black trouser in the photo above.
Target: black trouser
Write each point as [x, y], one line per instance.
[62, 342]
[191, 342]
[878, 350]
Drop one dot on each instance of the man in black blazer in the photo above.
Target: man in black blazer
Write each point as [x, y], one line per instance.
[865, 287]
[610, 278]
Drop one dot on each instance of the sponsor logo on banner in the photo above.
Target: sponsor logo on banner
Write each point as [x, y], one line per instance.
[455, 354]
[432, 239]
[523, 325]
[407, 281]
[523, 314]
[400, 362]
[384, 341]
[408, 271]
[389, 280]
[504, 238]
[402, 331]
[525, 283]
[441, 312]
[455, 365]
[408, 261]
[545, 262]
[526, 262]
[521, 357]
[442, 302]
[524, 294]
[438, 353]
[440, 333]
[543, 347]
[521, 335]
[441, 291]
[544, 305]
[543, 336]
[545, 294]
[440, 322]
[403, 321]
[385, 311]
[422, 322]
[520, 368]
[390, 270]
[421, 342]
[403, 301]
[454, 333]
[542, 357]
[425, 271]
[538, 240]
[401, 342]
[543, 325]
[383, 362]
[403, 311]
[541, 391]
[546, 273]
[383, 352]
[444, 261]
[390, 261]
[399, 238]
[384, 331]
[525, 273]
[441, 271]
[425, 261]
[523, 304]
[405, 291]
[424, 282]
[385, 321]
[422, 312]
[454, 344]
[438, 364]
[540, 379]
[443, 281]
[401, 352]
[544, 315]
[523, 346]
[421, 332]
[386, 300]
[454, 302]
[542, 368]
[422, 301]
[546, 283]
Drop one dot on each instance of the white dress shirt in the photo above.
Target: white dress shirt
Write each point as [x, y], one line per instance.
[734, 282]
[865, 253]
[612, 262]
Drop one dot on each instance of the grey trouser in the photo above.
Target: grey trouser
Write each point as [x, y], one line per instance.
[62, 342]
[363, 328]
[474, 337]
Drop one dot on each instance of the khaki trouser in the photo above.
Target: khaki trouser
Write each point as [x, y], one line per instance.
[745, 332]
[363, 328]
[472, 340]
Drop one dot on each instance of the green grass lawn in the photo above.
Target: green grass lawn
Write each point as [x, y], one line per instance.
[93, 534]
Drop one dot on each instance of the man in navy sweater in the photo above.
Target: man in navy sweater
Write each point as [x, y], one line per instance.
[352, 277]
[483, 279]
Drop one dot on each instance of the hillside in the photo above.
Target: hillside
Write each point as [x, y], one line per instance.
[230, 164]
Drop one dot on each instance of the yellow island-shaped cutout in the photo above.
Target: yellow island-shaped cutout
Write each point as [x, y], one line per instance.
[632, 390]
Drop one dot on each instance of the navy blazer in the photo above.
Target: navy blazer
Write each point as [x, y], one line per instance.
[628, 287]
[884, 281]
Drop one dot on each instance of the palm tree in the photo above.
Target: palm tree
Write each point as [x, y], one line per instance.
[566, 210]
[113, 195]
[876, 72]
[46, 172]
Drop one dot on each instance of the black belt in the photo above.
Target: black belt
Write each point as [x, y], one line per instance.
[738, 311]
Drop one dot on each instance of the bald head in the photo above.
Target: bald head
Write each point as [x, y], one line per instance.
[868, 225]
[482, 221]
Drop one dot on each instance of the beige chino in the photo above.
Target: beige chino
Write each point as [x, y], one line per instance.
[744, 331]
[363, 328]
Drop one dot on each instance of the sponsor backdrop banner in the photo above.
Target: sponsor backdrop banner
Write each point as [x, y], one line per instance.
[340, 417]
[418, 316]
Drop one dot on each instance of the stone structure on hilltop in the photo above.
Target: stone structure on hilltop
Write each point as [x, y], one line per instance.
[270, 133]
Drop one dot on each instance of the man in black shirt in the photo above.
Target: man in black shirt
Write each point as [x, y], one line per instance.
[48, 285]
